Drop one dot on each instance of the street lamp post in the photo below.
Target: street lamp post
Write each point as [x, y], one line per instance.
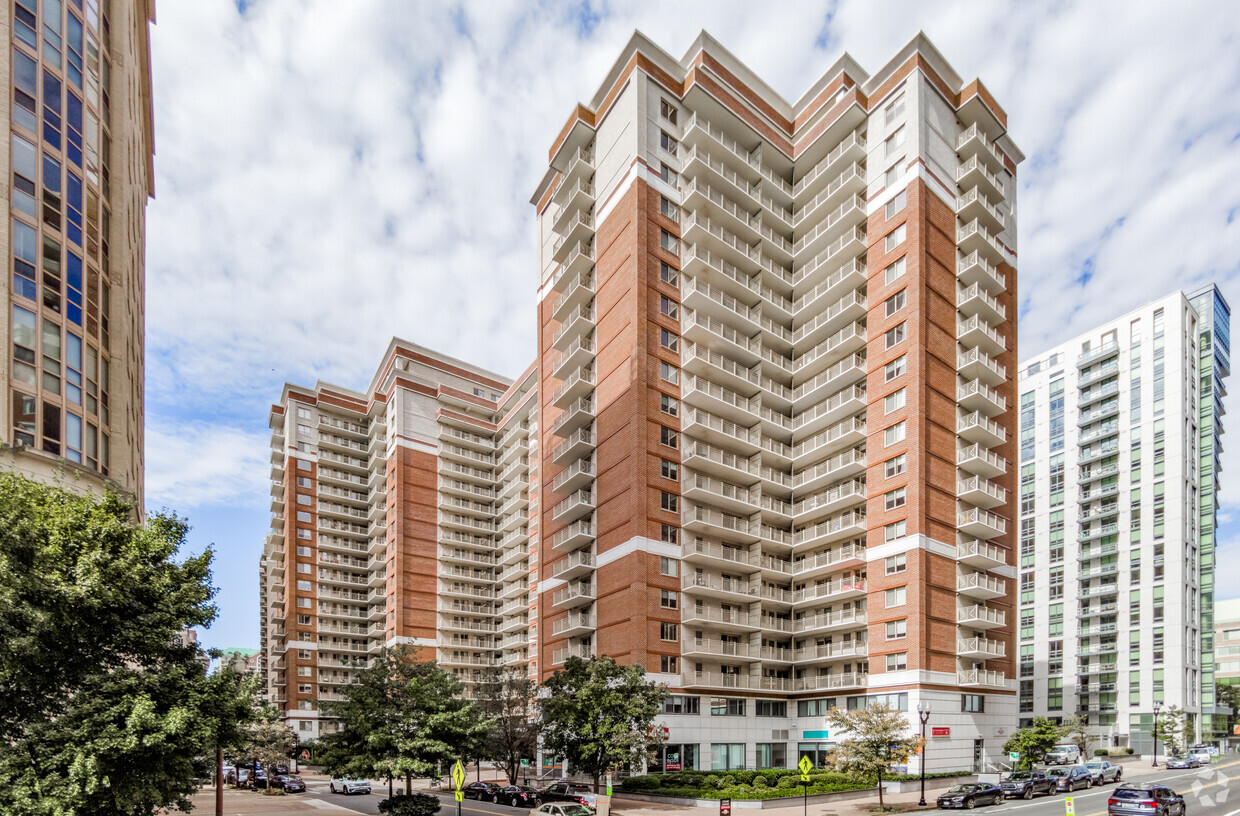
[1157, 706]
[923, 714]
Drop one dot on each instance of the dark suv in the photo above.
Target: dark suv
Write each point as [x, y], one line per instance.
[569, 792]
[1071, 778]
[1145, 800]
[1027, 784]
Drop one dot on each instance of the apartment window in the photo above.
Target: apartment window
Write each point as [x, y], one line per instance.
[669, 469]
[669, 566]
[895, 335]
[668, 241]
[303, 464]
[897, 301]
[303, 620]
[893, 401]
[896, 563]
[899, 202]
[667, 142]
[669, 372]
[895, 238]
[669, 307]
[669, 405]
[973, 703]
[815, 708]
[669, 501]
[305, 603]
[303, 671]
[893, 173]
[668, 340]
[894, 271]
[680, 704]
[303, 516]
[669, 599]
[668, 174]
[894, 466]
[304, 569]
[897, 661]
[305, 534]
[668, 273]
[302, 498]
[894, 499]
[895, 368]
[894, 434]
[304, 481]
[727, 707]
[669, 437]
[894, 530]
[303, 586]
[897, 629]
[771, 708]
[669, 534]
[895, 141]
[669, 664]
[667, 110]
[303, 550]
[668, 208]
[304, 430]
[893, 109]
[896, 596]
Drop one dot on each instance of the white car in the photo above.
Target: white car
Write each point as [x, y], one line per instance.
[1201, 754]
[348, 785]
[561, 809]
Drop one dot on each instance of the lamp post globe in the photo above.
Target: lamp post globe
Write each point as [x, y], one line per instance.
[923, 714]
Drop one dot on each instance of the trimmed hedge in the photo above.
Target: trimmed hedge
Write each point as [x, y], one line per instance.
[917, 777]
[768, 784]
[410, 804]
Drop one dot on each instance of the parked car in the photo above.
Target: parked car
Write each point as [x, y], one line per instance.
[520, 796]
[348, 785]
[260, 778]
[1145, 800]
[291, 784]
[1103, 772]
[1027, 784]
[1203, 748]
[561, 809]
[569, 792]
[482, 791]
[1183, 761]
[971, 795]
[1070, 779]
[1202, 753]
[1063, 755]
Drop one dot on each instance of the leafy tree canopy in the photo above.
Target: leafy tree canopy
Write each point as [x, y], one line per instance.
[102, 710]
[598, 714]
[1031, 743]
[508, 700]
[877, 737]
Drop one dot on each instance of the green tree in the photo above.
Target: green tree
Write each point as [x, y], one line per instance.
[1031, 743]
[270, 741]
[508, 700]
[1076, 730]
[877, 737]
[233, 697]
[1169, 727]
[598, 714]
[401, 717]
[1228, 696]
[102, 709]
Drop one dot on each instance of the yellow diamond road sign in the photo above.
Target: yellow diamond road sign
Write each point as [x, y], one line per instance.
[460, 795]
[806, 766]
[458, 776]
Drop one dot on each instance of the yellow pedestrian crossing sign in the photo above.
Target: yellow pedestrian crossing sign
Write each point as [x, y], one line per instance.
[459, 795]
[806, 766]
[458, 781]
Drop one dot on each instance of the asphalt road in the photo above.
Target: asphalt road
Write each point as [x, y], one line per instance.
[1211, 791]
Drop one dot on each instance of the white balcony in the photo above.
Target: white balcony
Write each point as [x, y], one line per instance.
[574, 565]
[574, 447]
[573, 596]
[977, 428]
[980, 585]
[575, 624]
[980, 648]
[574, 535]
[573, 507]
[981, 677]
[831, 682]
[981, 492]
[979, 461]
[977, 332]
[981, 523]
[978, 616]
[974, 268]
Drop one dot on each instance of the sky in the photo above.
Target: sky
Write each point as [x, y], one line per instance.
[329, 175]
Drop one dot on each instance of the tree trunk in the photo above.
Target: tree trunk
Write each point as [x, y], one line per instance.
[880, 787]
[219, 779]
[389, 787]
[596, 784]
[408, 782]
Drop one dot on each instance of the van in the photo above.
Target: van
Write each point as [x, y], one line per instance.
[1063, 755]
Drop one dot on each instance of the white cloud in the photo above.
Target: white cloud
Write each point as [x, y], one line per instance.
[189, 465]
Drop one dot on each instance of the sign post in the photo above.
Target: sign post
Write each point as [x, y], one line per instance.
[805, 766]
[1068, 806]
[458, 785]
[725, 807]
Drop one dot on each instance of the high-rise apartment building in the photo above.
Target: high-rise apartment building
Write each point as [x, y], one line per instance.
[401, 516]
[1119, 470]
[776, 427]
[1226, 663]
[78, 157]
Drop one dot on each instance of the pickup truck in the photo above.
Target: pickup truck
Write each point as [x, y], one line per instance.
[1103, 772]
[1027, 784]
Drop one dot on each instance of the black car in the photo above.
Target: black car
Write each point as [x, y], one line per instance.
[971, 795]
[1145, 800]
[1071, 778]
[1027, 784]
[482, 791]
[290, 784]
[520, 796]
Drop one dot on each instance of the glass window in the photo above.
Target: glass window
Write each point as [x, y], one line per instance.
[897, 301]
[896, 368]
[894, 238]
[894, 272]
[893, 499]
[897, 661]
[894, 530]
[896, 204]
[897, 629]
[893, 401]
[895, 466]
[896, 563]
[772, 755]
[895, 596]
[895, 335]
[727, 756]
[894, 434]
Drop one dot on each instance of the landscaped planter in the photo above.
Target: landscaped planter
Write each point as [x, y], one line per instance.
[755, 804]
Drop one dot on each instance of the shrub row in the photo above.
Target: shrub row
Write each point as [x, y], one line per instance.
[768, 784]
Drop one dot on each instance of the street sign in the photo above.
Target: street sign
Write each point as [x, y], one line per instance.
[1013, 755]
[609, 784]
[940, 731]
[458, 776]
[1067, 803]
[524, 763]
[459, 795]
[725, 807]
[805, 767]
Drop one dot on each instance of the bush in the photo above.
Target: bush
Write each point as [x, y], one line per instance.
[916, 777]
[411, 804]
[786, 782]
[759, 782]
[766, 784]
[1101, 752]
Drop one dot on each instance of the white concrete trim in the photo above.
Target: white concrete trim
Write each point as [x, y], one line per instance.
[415, 444]
[638, 544]
[548, 584]
[907, 544]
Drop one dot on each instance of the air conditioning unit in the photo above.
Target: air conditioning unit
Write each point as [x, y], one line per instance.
[777, 734]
